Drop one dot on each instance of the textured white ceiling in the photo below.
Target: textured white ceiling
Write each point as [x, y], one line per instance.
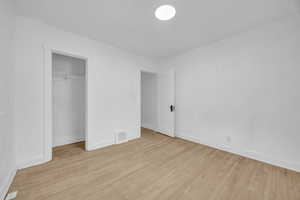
[131, 25]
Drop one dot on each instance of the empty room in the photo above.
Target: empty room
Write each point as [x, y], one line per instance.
[149, 100]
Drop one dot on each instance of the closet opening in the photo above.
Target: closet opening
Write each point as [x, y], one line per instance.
[149, 102]
[68, 104]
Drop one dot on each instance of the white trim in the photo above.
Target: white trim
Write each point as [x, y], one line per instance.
[100, 145]
[149, 126]
[253, 155]
[109, 143]
[148, 71]
[135, 137]
[11, 195]
[48, 105]
[48, 51]
[33, 162]
[8, 181]
[69, 141]
[139, 101]
[164, 132]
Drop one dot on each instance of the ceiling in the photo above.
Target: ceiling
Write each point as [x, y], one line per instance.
[131, 25]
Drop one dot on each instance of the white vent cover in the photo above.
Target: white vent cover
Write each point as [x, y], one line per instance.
[121, 137]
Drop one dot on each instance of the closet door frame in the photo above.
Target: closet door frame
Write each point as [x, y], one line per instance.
[48, 104]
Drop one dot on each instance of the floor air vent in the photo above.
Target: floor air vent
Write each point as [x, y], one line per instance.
[121, 137]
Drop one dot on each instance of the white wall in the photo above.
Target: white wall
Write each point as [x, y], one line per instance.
[149, 100]
[113, 87]
[242, 94]
[7, 161]
[68, 89]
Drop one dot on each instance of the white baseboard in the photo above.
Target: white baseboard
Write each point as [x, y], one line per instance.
[100, 145]
[68, 141]
[249, 154]
[109, 143]
[33, 162]
[149, 126]
[41, 160]
[155, 129]
[134, 137]
[7, 182]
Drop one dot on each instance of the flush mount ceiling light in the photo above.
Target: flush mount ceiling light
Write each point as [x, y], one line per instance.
[165, 12]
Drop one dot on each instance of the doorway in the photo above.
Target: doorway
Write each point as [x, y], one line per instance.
[68, 100]
[158, 101]
[65, 99]
[149, 101]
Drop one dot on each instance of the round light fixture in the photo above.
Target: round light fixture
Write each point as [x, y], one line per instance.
[165, 12]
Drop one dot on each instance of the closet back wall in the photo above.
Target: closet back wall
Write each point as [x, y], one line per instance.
[68, 100]
[149, 100]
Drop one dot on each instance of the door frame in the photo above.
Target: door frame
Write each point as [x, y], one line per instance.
[48, 95]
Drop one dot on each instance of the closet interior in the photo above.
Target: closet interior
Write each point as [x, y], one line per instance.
[69, 99]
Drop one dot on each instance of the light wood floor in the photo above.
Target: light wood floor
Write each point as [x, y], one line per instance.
[154, 167]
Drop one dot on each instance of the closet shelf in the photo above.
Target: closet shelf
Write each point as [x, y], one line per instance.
[61, 77]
